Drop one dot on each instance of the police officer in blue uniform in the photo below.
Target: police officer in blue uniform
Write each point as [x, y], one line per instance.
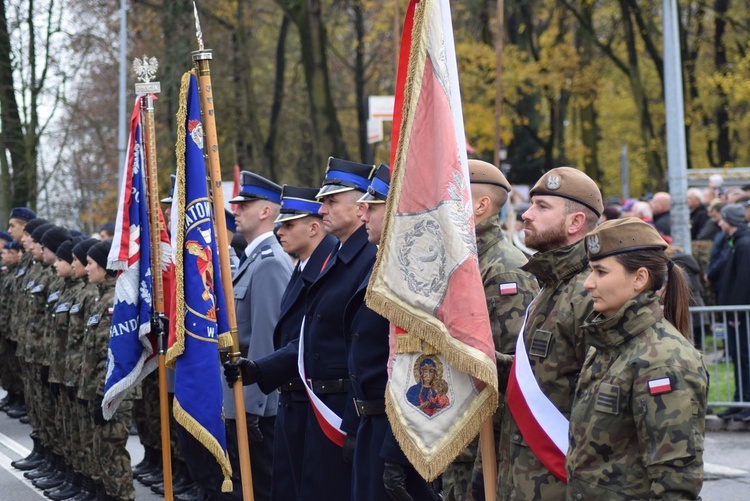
[324, 473]
[366, 333]
[259, 282]
[301, 234]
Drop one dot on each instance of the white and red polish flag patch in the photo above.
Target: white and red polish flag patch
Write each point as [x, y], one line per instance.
[659, 386]
[508, 289]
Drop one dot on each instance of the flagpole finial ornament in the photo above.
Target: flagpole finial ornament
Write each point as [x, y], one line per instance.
[145, 70]
[198, 32]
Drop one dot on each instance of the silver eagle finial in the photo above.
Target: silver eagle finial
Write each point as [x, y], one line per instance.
[145, 68]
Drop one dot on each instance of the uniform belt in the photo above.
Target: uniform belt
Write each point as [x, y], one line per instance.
[369, 407]
[323, 386]
[293, 385]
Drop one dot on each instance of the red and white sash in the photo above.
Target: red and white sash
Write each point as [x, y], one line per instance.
[542, 425]
[328, 420]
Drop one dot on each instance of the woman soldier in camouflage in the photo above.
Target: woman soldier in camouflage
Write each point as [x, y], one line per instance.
[638, 418]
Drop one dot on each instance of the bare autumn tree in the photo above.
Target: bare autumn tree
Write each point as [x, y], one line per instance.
[307, 16]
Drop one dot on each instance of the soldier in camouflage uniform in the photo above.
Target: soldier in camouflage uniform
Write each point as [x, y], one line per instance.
[29, 331]
[60, 326]
[17, 220]
[11, 255]
[565, 205]
[638, 418]
[110, 437]
[82, 428]
[508, 290]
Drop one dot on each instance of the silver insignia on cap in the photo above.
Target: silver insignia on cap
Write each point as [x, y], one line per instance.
[553, 182]
[593, 245]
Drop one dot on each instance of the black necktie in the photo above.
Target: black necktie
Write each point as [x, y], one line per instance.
[242, 259]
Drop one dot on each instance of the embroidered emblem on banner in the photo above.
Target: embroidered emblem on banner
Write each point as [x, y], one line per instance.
[540, 343]
[430, 393]
[608, 399]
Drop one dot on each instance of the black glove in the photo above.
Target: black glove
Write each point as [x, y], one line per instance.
[394, 480]
[55, 389]
[504, 364]
[249, 370]
[71, 393]
[254, 435]
[98, 412]
[44, 374]
[348, 449]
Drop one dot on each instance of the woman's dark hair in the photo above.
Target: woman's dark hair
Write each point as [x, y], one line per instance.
[676, 296]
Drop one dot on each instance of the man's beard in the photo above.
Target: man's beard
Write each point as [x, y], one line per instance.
[546, 240]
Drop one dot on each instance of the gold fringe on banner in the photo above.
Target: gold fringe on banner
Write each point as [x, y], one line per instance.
[178, 347]
[423, 328]
[208, 441]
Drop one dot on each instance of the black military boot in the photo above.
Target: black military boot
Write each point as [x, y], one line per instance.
[55, 479]
[17, 410]
[150, 464]
[195, 493]
[44, 469]
[68, 489]
[33, 460]
[88, 490]
[7, 399]
[152, 479]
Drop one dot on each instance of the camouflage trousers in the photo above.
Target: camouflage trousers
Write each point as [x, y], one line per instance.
[110, 442]
[146, 413]
[87, 460]
[10, 371]
[30, 376]
[46, 413]
[71, 424]
[457, 483]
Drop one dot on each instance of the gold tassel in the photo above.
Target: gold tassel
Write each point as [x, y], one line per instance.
[226, 485]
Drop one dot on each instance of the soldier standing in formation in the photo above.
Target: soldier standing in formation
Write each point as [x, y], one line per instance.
[638, 417]
[565, 205]
[59, 338]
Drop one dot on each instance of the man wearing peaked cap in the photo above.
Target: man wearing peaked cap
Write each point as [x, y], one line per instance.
[565, 205]
[379, 466]
[300, 233]
[256, 187]
[343, 175]
[325, 350]
[508, 290]
[259, 283]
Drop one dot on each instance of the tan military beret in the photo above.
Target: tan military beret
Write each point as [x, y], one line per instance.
[481, 172]
[572, 184]
[617, 236]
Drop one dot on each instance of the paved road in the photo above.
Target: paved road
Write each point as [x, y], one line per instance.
[727, 469]
[15, 443]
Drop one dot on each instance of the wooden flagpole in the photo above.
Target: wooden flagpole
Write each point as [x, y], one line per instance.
[201, 58]
[146, 89]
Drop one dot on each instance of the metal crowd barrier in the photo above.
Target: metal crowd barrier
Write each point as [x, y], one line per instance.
[722, 333]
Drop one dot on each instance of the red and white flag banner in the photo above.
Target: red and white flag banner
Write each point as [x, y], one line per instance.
[442, 373]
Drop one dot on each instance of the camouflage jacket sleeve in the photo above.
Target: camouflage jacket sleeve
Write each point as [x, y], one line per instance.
[101, 333]
[670, 428]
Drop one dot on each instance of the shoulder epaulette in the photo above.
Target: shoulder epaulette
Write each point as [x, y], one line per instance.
[266, 251]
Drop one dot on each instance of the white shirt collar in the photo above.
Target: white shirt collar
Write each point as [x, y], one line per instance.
[256, 242]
